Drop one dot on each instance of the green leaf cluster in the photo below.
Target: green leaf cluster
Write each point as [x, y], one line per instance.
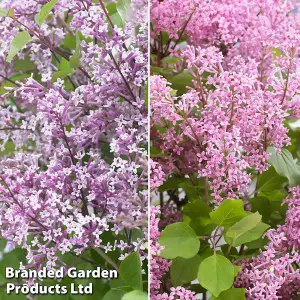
[197, 256]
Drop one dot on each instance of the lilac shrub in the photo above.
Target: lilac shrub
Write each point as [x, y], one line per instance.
[224, 149]
[73, 131]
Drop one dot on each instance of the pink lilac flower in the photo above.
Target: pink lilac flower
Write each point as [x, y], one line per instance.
[235, 27]
[226, 120]
[273, 274]
[244, 58]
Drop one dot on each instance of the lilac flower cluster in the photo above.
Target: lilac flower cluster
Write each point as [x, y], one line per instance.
[226, 121]
[236, 27]
[274, 274]
[79, 166]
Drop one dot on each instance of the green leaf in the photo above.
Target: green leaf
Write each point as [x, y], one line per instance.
[231, 294]
[17, 77]
[205, 252]
[197, 209]
[201, 226]
[12, 296]
[137, 234]
[216, 274]
[270, 185]
[171, 183]
[17, 44]
[111, 8]
[243, 226]
[3, 243]
[75, 58]
[135, 295]
[3, 280]
[179, 240]
[11, 13]
[64, 64]
[181, 81]
[232, 251]
[117, 20]
[263, 206]
[9, 148]
[12, 259]
[228, 213]
[114, 294]
[198, 212]
[197, 288]
[257, 244]
[130, 271]
[122, 8]
[160, 71]
[237, 269]
[165, 38]
[24, 65]
[184, 270]
[44, 12]
[249, 236]
[70, 41]
[3, 13]
[276, 52]
[116, 283]
[285, 165]
[61, 74]
[156, 152]
[294, 135]
[192, 191]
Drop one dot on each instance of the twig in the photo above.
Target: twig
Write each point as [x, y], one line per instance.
[13, 128]
[11, 81]
[84, 202]
[73, 84]
[183, 29]
[206, 189]
[228, 250]
[242, 249]
[123, 77]
[107, 258]
[287, 77]
[106, 13]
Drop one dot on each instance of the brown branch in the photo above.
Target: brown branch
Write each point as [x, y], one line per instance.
[107, 258]
[84, 202]
[13, 128]
[106, 13]
[11, 81]
[123, 78]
